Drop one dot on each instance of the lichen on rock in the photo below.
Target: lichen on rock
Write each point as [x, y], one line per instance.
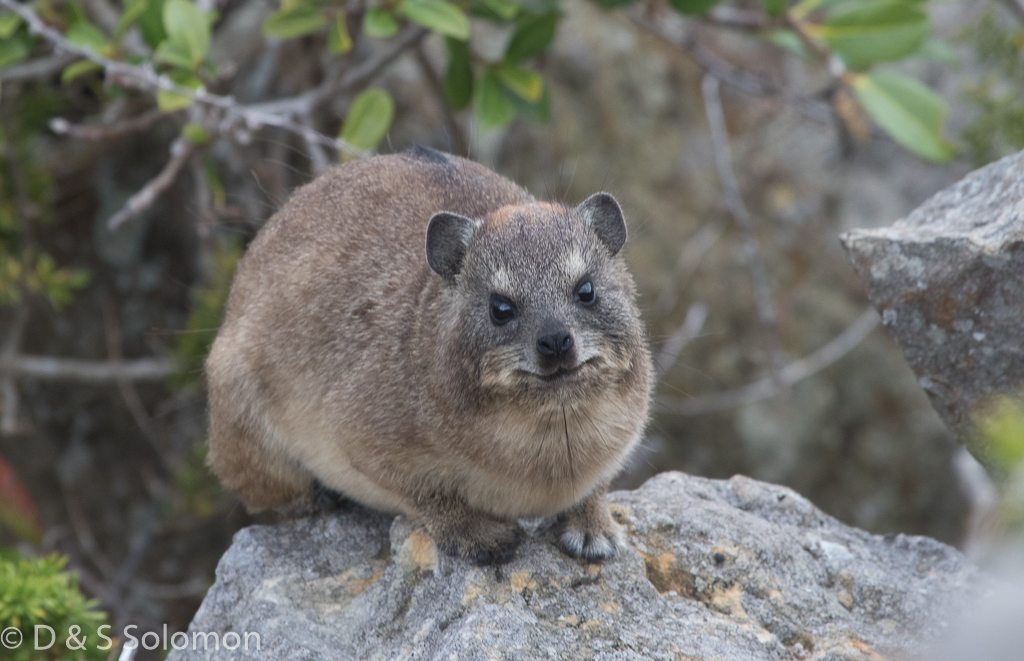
[733, 570]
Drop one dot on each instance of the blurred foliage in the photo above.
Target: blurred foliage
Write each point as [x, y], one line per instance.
[197, 491]
[1001, 422]
[208, 302]
[17, 511]
[849, 37]
[38, 592]
[998, 128]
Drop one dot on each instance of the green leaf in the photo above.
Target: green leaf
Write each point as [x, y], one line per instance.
[188, 26]
[493, 106]
[876, 31]
[77, 69]
[151, 21]
[338, 40]
[939, 51]
[175, 54]
[613, 4]
[133, 11]
[195, 133]
[88, 35]
[503, 9]
[537, 112]
[13, 50]
[379, 23]
[368, 119]
[788, 40]
[522, 82]
[294, 22]
[907, 110]
[458, 79]
[774, 8]
[439, 16]
[9, 22]
[1001, 422]
[693, 7]
[532, 37]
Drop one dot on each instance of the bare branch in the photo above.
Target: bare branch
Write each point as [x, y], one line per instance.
[145, 77]
[41, 68]
[61, 126]
[8, 388]
[738, 19]
[789, 375]
[733, 76]
[181, 150]
[83, 533]
[744, 220]
[318, 159]
[459, 145]
[1016, 7]
[87, 371]
[687, 331]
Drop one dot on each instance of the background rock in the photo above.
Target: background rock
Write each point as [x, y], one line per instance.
[732, 570]
[949, 282]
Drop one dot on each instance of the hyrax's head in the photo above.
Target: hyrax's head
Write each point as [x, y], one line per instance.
[539, 306]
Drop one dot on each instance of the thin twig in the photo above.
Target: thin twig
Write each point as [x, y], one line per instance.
[1016, 7]
[8, 388]
[83, 533]
[789, 375]
[181, 150]
[145, 77]
[61, 126]
[41, 68]
[317, 158]
[128, 392]
[686, 333]
[738, 19]
[459, 145]
[87, 371]
[746, 82]
[738, 210]
[140, 544]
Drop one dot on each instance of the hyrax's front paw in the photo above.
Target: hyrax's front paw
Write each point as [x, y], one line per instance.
[481, 540]
[587, 530]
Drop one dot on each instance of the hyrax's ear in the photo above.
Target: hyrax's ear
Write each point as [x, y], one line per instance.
[604, 215]
[448, 236]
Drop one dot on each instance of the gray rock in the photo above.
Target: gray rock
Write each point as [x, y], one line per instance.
[948, 281]
[734, 570]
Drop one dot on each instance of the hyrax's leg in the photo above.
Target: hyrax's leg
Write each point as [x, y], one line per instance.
[262, 479]
[586, 529]
[459, 530]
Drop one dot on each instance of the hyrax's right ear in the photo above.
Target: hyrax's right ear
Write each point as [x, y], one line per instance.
[448, 237]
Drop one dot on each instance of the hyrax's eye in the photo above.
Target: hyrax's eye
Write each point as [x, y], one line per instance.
[502, 310]
[585, 292]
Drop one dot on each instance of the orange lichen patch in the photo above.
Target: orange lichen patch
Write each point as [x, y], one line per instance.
[593, 569]
[422, 551]
[866, 650]
[568, 620]
[590, 624]
[610, 607]
[357, 582]
[776, 595]
[728, 601]
[853, 650]
[472, 592]
[665, 574]
[521, 580]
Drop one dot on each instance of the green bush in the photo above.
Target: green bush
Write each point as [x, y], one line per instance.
[39, 592]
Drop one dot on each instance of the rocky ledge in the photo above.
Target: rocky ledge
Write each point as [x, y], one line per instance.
[733, 570]
[949, 282]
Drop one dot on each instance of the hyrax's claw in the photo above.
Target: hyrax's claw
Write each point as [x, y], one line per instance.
[587, 531]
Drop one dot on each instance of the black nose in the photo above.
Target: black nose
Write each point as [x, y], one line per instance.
[554, 344]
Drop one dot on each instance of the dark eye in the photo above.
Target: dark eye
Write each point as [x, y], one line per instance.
[585, 292]
[502, 310]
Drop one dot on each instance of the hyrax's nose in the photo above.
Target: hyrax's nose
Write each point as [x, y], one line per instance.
[554, 345]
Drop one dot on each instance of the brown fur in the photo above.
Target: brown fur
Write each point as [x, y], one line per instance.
[345, 360]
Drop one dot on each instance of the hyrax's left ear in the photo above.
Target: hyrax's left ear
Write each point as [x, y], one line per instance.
[448, 237]
[604, 215]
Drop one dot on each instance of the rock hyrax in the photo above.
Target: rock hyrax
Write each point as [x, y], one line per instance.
[421, 335]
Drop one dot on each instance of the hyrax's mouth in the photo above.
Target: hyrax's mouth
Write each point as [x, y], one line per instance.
[564, 373]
